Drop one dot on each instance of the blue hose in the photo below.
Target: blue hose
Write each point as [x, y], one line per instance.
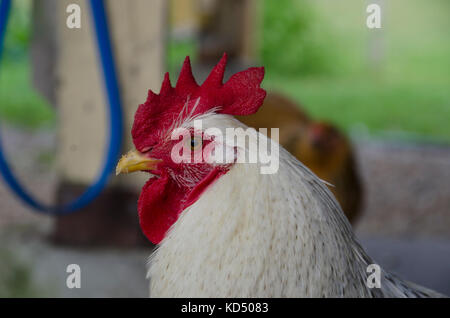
[115, 118]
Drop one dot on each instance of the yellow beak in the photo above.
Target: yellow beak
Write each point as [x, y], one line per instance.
[135, 161]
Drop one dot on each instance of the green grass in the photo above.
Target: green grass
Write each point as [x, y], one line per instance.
[15, 277]
[176, 53]
[382, 107]
[19, 103]
[407, 91]
[292, 42]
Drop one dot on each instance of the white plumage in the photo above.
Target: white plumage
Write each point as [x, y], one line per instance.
[274, 235]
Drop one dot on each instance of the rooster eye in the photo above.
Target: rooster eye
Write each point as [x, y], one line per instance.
[196, 142]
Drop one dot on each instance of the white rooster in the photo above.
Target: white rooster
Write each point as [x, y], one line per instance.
[226, 229]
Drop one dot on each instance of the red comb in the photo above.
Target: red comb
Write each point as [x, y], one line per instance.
[240, 95]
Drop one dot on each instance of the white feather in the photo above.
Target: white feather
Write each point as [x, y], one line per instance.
[255, 235]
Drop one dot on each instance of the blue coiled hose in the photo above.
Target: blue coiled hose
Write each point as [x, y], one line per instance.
[115, 118]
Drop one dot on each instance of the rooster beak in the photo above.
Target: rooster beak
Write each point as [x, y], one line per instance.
[135, 161]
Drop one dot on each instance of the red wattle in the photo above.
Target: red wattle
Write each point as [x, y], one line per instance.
[159, 207]
[162, 200]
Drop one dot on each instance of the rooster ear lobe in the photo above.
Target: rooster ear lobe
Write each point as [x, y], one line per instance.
[215, 78]
[166, 86]
[186, 81]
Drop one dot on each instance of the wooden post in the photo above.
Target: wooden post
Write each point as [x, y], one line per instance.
[137, 30]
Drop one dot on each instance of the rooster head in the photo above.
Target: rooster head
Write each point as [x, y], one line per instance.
[175, 185]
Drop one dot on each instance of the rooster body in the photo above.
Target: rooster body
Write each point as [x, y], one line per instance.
[273, 235]
[255, 235]
[225, 229]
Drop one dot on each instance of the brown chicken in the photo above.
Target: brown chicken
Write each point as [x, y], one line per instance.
[319, 145]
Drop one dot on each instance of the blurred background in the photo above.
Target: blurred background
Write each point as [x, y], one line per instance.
[368, 109]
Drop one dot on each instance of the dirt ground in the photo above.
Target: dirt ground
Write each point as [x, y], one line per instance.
[407, 189]
[405, 224]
